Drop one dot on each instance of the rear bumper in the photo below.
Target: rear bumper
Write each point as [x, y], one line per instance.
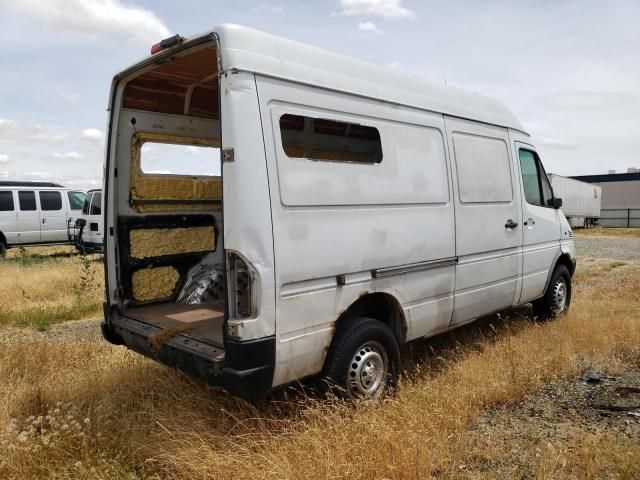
[244, 368]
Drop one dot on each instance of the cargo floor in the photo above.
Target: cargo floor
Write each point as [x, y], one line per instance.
[202, 322]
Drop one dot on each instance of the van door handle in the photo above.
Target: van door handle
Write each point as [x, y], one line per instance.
[510, 224]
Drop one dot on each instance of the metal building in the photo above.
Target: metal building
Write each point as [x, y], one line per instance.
[620, 198]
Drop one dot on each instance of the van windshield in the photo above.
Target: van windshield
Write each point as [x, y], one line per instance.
[76, 200]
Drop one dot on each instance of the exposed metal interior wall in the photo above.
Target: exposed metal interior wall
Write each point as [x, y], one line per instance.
[154, 283]
[162, 193]
[156, 242]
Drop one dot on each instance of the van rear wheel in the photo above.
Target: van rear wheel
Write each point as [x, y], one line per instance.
[557, 298]
[364, 358]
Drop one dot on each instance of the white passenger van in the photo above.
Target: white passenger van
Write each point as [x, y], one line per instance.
[36, 213]
[341, 210]
[88, 227]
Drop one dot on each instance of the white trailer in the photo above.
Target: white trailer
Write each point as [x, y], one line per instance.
[580, 200]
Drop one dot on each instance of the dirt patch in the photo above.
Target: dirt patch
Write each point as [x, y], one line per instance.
[71, 330]
[563, 419]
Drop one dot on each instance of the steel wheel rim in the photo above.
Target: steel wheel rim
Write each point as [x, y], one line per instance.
[368, 371]
[559, 296]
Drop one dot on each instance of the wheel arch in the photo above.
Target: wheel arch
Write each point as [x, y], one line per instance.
[563, 259]
[381, 306]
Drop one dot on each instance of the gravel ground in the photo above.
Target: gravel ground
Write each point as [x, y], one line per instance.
[603, 247]
[78, 329]
[608, 247]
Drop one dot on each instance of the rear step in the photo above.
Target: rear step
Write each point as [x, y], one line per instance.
[184, 353]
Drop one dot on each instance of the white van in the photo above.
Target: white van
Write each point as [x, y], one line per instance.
[338, 211]
[33, 213]
[87, 229]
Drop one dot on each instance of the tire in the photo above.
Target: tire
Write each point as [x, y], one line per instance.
[3, 250]
[363, 360]
[557, 298]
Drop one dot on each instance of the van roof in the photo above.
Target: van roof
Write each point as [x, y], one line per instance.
[251, 50]
[5, 183]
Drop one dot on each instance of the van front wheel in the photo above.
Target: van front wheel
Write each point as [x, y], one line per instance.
[557, 298]
[363, 359]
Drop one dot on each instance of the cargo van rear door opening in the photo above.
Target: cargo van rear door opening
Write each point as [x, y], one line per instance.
[166, 267]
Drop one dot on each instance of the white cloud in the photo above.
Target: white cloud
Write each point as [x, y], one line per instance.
[558, 143]
[42, 132]
[163, 172]
[375, 8]
[39, 174]
[93, 134]
[7, 124]
[590, 100]
[4, 158]
[66, 96]
[268, 7]
[4, 174]
[79, 182]
[95, 17]
[11, 132]
[368, 27]
[67, 156]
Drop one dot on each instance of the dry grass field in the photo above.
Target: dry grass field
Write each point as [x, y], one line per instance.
[609, 232]
[472, 403]
[45, 285]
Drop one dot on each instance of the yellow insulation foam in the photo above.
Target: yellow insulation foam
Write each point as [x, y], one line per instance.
[156, 242]
[154, 283]
[149, 186]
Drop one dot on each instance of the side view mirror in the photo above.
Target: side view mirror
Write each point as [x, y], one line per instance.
[81, 222]
[556, 203]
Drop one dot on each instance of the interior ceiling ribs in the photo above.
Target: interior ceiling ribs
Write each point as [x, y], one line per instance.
[183, 85]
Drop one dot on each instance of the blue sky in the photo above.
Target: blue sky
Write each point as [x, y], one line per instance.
[570, 70]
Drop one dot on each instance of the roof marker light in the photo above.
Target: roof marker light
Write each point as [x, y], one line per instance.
[166, 43]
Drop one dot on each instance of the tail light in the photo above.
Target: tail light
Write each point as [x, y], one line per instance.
[241, 278]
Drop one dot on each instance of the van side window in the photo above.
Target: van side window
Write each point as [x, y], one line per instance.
[160, 158]
[547, 192]
[329, 140]
[50, 200]
[6, 202]
[537, 189]
[96, 206]
[27, 201]
[87, 203]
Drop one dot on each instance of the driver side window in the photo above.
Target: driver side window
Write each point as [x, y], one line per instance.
[537, 189]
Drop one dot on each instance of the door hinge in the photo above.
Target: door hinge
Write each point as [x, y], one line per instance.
[228, 155]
